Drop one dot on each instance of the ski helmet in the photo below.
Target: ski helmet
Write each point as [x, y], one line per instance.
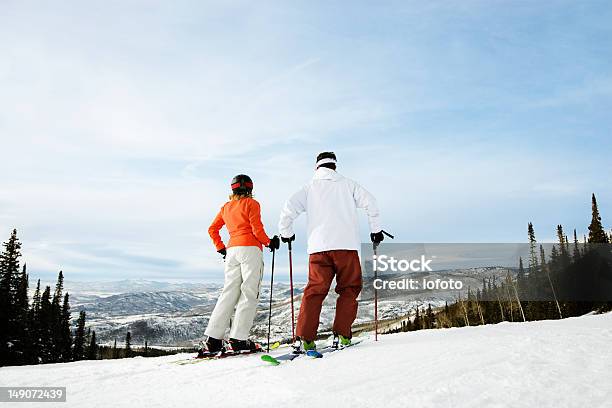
[242, 184]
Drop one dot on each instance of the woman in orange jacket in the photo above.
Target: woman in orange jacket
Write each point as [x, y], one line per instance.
[243, 267]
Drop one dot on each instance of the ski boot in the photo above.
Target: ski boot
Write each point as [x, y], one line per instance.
[309, 345]
[303, 346]
[340, 341]
[244, 346]
[212, 347]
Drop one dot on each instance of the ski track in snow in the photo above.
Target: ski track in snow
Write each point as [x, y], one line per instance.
[562, 363]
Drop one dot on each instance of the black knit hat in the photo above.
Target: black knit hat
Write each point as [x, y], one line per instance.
[326, 155]
[327, 159]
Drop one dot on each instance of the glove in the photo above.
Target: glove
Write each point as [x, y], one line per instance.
[377, 237]
[274, 243]
[223, 252]
[287, 240]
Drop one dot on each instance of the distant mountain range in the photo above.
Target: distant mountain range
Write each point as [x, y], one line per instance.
[134, 286]
[176, 314]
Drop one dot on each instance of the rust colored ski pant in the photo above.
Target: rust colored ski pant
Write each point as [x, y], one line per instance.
[323, 266]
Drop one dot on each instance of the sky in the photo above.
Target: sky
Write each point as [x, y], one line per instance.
[123, 122]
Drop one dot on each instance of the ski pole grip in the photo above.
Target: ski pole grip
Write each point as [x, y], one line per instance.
[387, 234]
[289, 245]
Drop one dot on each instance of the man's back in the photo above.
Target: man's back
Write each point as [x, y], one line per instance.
[330, 201]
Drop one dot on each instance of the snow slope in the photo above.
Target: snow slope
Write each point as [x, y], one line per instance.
[564, 363]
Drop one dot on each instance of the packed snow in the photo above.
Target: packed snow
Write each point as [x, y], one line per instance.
[557, 363]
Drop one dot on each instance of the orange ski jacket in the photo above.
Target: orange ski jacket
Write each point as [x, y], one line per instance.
[243, 221]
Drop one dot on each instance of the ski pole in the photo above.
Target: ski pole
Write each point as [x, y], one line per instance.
[291, 287]
[271, 286]
[375, 247]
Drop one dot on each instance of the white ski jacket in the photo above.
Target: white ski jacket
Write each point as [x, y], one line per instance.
[331, 202]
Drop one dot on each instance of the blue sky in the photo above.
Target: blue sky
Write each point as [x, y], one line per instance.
[121, 123]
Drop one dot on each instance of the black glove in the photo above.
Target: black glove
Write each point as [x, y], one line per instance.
[274, 243]
[377, 237]
[287, 240]
[223, 252]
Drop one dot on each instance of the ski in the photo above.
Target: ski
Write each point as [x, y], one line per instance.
[279, 359]
[329, 349]
[215, 356]
[310, 353]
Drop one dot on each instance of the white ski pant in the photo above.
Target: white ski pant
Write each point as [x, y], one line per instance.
[243, 274]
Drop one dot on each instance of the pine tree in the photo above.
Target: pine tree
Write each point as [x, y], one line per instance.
[92, 352]
[429, 317]
[56, 318]
[554, 254]
[128, 344]
[409, 326]
[86, 342]
[59, 287]
[521, 271]
[78, 352]
[65, 335]
[22, 343]
[36, 301]
[520, 279]
[596, 231]
[576, 254]
[533, 259]
[9, 282]
[44, 326]
[115, 353]
[34, 323]
[563, 246]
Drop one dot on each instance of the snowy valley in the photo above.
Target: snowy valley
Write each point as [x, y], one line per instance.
[176, 314]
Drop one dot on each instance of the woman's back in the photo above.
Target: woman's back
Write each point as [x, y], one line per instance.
[242, 218]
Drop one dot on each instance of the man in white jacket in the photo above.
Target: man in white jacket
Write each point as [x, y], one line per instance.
[331, 202]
